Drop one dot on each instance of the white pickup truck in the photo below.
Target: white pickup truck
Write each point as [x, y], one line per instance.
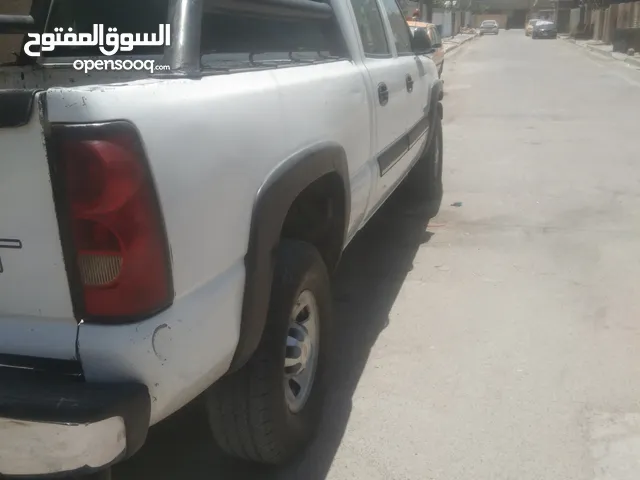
[172, 233]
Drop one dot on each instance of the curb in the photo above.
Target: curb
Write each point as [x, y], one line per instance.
[456, 45]
[631, 61]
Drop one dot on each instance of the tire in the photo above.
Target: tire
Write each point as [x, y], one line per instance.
[423, 184]
[249, 414]
[441, 69]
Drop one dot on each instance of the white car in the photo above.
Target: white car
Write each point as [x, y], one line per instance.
[171, 233]
[489, 26]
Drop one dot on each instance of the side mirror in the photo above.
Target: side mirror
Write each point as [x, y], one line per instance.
[421, 42]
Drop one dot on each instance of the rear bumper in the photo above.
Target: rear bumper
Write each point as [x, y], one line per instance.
[546, 34]
[51, 428]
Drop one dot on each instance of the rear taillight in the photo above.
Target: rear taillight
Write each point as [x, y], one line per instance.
[112, 223]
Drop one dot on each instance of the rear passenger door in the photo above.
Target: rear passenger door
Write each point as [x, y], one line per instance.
[410, 74]
[409, 63]
[387, 79]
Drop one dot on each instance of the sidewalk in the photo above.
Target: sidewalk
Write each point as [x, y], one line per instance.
[605, 50]
[451, 43]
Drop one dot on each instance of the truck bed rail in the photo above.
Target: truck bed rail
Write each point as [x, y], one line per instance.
[16, 24]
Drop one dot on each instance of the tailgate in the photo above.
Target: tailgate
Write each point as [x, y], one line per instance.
[36, 314]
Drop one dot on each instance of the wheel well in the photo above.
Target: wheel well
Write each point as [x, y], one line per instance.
[318, 216]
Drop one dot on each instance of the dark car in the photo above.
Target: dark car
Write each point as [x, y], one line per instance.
[544, 29]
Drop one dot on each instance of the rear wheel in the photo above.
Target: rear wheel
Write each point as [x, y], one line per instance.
[268, 410]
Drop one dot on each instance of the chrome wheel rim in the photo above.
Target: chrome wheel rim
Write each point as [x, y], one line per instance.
[301, 358]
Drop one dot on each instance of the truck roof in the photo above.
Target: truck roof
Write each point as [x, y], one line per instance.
[413, 23]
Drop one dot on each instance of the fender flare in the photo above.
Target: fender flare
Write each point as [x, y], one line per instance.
[16, 107]
[435, 108]
[273, 201]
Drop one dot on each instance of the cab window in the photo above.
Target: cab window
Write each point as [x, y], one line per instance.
[371, 28]
[434, 36]
[399, 27]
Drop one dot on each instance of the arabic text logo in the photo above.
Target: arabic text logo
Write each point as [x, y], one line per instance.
[109, 43]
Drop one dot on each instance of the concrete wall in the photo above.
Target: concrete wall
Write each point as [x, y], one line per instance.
[574, 20]
[628, 15]
[447, 24]
[625, 18]
[437, 18]
[450, 22]
[444, 19]
[12, 43]
[597, 20]
[468, 19]
[564, 16]
[498, 17]
[610, 19]
[457, 22]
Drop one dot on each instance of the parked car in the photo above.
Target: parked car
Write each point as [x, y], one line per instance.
[489, 26]
[530, 24]
[545, 29]
[171, 233]
[436, 41]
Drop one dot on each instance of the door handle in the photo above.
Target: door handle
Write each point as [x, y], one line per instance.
[383, 94]
[409, 84]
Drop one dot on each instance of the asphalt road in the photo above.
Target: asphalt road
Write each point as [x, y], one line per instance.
[501, 341]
